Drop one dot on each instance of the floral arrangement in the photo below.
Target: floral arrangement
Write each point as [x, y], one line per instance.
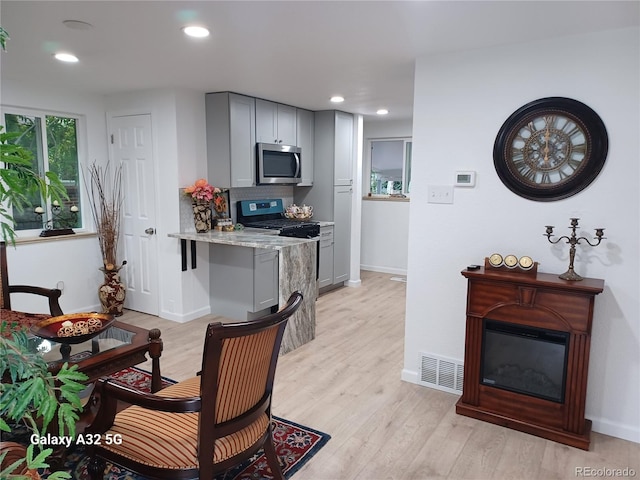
[201, 191]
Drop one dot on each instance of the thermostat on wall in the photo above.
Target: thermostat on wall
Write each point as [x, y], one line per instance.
[465, 179]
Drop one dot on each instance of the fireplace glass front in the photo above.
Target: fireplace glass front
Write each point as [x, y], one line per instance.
[526, 360]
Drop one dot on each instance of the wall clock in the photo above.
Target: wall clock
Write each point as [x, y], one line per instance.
[550, 149]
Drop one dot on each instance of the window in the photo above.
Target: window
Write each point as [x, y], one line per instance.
[53, 141]
[390, 166]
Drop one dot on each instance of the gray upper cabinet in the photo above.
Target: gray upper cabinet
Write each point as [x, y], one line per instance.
[275, 123]
[231, 139]
[343, 149]
[306, 136]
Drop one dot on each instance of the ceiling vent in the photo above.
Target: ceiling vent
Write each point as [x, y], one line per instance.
[441, 373]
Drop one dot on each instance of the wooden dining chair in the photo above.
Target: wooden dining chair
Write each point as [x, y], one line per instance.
[207, 424]
[16, 319]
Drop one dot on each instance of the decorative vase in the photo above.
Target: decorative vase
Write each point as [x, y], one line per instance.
[202, 216]
[112, 292]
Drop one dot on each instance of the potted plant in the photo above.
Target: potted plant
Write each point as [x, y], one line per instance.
[31, 397]
[105, 198]
[18, 180]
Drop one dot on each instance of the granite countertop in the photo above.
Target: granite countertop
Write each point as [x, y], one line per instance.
[243, 239]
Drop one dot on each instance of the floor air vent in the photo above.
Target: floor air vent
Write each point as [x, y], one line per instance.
[441, 373]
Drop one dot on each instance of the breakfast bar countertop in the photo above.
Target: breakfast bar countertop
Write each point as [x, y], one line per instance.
[242, 238]
[296, 271]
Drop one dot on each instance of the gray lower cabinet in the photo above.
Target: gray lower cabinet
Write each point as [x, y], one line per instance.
[243, 281]
[342, 233]
[325, 260]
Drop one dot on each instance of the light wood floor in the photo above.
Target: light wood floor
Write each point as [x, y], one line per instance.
[347, 383]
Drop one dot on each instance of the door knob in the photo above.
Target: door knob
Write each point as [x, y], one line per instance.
[150, 231]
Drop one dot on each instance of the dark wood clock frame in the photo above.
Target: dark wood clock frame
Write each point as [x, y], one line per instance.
[597, 145]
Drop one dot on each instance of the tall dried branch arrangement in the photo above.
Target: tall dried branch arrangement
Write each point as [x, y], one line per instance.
[106, 197]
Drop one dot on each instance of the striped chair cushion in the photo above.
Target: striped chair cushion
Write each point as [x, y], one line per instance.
[170, 440]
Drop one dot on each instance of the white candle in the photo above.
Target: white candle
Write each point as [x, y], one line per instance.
[39, 210]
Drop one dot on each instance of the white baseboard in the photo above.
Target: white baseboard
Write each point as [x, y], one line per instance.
[613, 429]
[391, 270]
[185, 317]
[353, 283]
[410, 376]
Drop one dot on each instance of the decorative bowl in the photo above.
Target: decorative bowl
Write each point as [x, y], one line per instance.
[73, 328]
[296, 212]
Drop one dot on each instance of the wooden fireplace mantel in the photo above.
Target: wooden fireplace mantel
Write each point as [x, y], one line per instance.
[539, 300]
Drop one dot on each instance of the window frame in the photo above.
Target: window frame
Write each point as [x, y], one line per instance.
[406, 169]
[81, 148]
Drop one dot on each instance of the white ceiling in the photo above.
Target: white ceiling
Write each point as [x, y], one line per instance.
[294, 52]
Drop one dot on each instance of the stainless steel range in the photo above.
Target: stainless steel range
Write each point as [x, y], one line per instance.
[269, 215]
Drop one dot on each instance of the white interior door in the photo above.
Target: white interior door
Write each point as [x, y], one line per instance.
[131, 146]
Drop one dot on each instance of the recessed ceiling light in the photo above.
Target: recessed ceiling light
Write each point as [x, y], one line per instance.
[337, 99]
[196, 32]
[382, 111]
[66, 57]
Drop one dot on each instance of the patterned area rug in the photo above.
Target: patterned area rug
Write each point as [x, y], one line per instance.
[295, 444]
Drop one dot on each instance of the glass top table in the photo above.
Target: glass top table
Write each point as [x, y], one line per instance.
[120, 346]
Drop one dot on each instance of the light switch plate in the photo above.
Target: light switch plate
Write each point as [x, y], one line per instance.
[440, 194]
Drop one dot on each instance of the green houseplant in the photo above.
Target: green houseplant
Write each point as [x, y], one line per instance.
[18, 179]
[30, 395]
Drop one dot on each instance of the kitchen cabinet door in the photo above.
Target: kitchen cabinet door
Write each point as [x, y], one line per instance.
[231, 141]
[342, 233]
[287, 125]
[325, 260]
[343, 153]
[265, 279]
[275, 123]
[243, 280]
[305, 136]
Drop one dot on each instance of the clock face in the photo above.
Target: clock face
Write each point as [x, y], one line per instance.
[550, 149]
[525, 262]
[510, 261]
[495, 260]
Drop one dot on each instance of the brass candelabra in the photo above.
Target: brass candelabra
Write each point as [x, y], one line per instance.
[60, 223]
[573, 240]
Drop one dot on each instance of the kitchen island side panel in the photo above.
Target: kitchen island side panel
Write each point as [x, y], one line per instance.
[297, 271]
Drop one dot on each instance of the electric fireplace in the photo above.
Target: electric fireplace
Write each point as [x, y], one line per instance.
[526, 358]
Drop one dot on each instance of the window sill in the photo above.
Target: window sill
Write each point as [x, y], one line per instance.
[385, 198]
[75, 236]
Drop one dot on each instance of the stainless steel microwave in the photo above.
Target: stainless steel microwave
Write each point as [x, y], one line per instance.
[278, 164]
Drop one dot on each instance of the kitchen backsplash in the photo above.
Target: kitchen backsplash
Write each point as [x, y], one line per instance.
[284, 192]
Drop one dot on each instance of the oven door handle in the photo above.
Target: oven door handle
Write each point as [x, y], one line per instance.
[297, 157]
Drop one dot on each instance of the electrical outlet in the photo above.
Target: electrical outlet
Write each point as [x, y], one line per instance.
[440, 194]
[60, 286]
